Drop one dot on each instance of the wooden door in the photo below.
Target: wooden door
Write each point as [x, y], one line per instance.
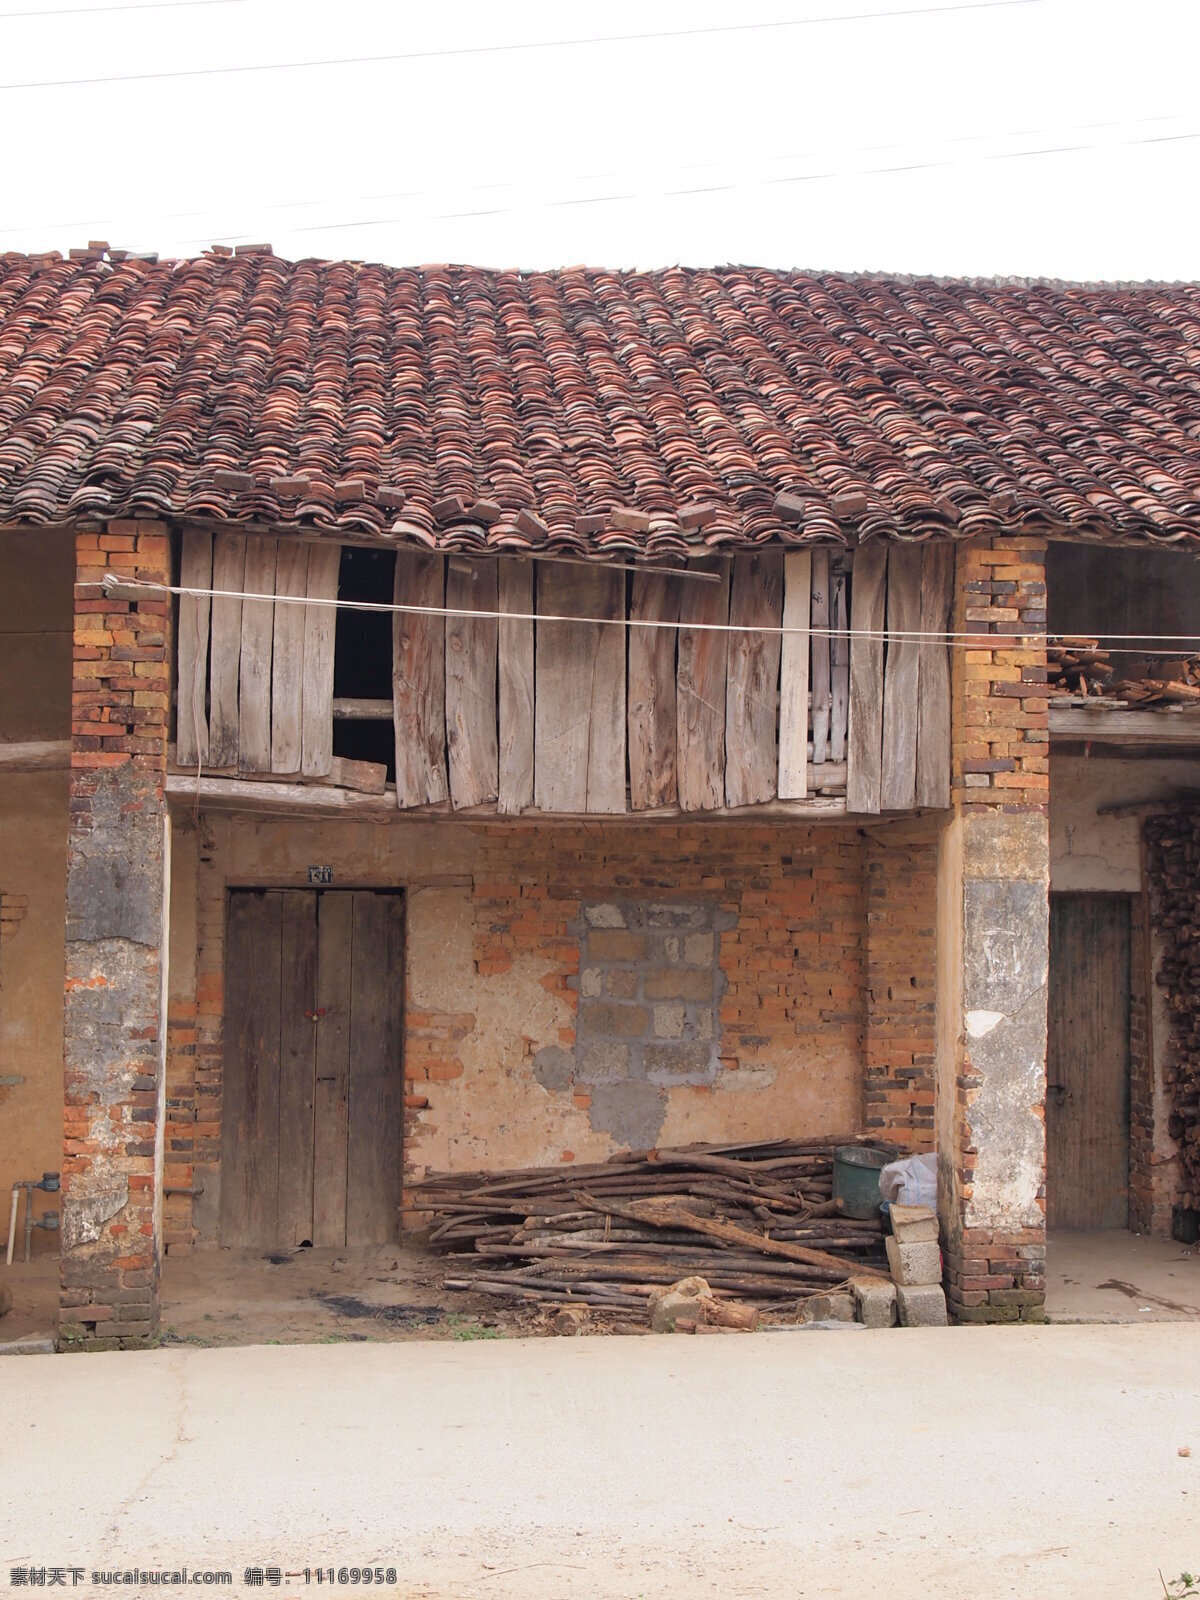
[1087, 1062]
[313, 1074]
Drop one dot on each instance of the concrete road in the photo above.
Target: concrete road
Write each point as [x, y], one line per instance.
[972, 1462]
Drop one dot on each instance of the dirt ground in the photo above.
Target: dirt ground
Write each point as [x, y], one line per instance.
[392, 1293]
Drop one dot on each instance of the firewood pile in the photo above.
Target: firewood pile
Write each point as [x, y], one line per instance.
[1080, 668]
[1173, 874]
[756, 1221]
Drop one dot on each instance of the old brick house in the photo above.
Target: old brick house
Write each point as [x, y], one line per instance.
[497, 872]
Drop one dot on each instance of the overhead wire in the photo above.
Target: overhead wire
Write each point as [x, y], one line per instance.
[511, 47]
[121, 587]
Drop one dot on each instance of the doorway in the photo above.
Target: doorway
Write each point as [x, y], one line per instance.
[1087, 1062]
[312, 1115]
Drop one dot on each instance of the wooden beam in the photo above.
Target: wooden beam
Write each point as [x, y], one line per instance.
[898, 786]
[254, 677]
[793, 676]
[933, 702]
[839, 653]
[752, 700]
[471, 735]
[287, 659]
[653, 740]
[515, 698]
[191, 713]
[865, 734]
[320, 633]
[269, 797]
[419, 681]
[700, 706]
[229, 575]
[1124, 727]
[821, 696]
[38, 755]
[349, 710]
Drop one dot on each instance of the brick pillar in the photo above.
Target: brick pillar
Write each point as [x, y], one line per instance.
[993, 943]
[118, 872]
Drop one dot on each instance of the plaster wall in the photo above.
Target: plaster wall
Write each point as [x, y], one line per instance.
[1094, 853]
[36, 577]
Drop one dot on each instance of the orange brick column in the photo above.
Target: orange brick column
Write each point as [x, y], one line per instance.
[118, 869]
[993, 941]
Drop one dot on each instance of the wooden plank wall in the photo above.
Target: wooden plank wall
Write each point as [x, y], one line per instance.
[716, 709]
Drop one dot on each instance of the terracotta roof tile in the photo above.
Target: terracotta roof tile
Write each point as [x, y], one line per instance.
[606, 412]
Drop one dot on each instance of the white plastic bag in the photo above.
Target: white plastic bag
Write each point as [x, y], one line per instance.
[910, 1182]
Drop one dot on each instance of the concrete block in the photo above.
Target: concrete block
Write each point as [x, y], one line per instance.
[922, 1305]
[914, 1263]
[874, 1302]
[837, 1307]
[914, 1224]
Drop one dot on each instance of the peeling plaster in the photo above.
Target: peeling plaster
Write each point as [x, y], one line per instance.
[981, 1023]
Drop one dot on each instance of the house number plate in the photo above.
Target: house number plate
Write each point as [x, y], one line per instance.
[319, 875]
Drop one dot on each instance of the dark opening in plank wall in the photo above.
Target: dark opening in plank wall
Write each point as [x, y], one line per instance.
[766, 677]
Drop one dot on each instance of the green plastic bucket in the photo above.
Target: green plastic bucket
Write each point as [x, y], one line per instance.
[856, 1169]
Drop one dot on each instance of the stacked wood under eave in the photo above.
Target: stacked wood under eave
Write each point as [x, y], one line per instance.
[1173, 879]
[1079, 668]
[756, 1221]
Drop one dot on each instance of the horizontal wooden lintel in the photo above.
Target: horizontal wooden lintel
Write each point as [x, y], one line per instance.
[1108, 725]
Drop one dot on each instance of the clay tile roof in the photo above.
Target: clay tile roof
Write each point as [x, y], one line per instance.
[616, 413]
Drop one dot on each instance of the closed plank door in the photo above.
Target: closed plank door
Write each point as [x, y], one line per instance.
[312, 1120]
[1087, 1062]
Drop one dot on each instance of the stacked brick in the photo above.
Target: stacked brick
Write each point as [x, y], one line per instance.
[1000, 763]
[116, 871]
[1000, 730]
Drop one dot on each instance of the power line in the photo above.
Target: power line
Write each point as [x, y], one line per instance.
[584, 177]
[122, 588]
[509, 49]
[719, 188]
[147, 5]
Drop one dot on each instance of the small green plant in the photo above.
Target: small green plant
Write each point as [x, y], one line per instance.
[1179, 1588]
[476, 1330]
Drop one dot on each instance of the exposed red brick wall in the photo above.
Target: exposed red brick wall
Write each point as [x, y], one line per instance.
[899, 1087]
[116, 865]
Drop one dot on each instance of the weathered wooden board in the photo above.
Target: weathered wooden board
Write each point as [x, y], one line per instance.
[703, 670]
[839, 655]
[752, 700]
[191, 713]
[516, 687]
[332, 1089]
[793, 676]
[820, 657]
[373, 1161]
[297, 1068]
[933, 714]
[653, 696]
[419, 681]
[1087, 1062]
[254, 680]
[287, 658]
[865, 734]
[249, 1206]
[579, 716]
[471, 727]
[898, 787]
[229, 578]
[320, 632]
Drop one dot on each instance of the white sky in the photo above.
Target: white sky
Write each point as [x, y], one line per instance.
[513, 158]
